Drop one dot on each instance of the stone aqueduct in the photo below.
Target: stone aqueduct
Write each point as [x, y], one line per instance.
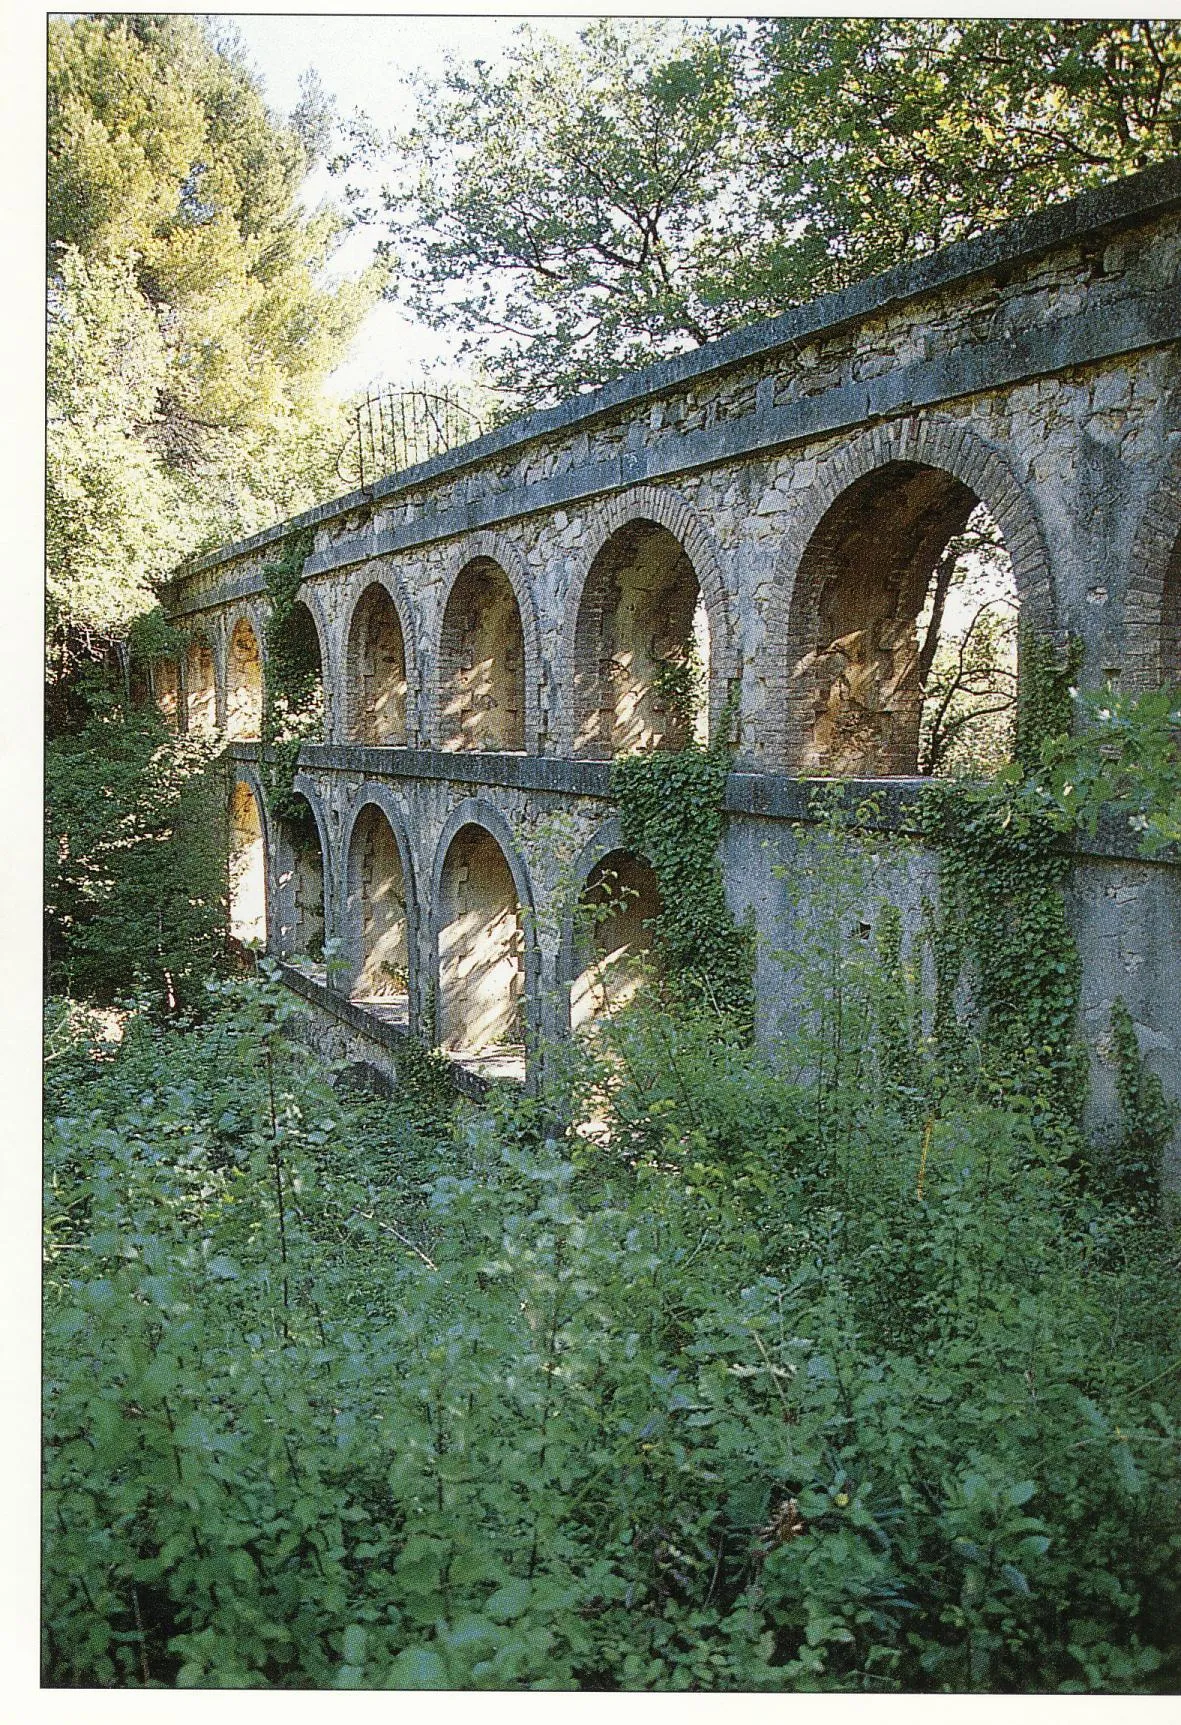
[493, 625]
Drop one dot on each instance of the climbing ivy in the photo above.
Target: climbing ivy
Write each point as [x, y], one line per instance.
[1044, 695]
[671, 813]
[1133, 1171]
[1003, 925]
[293, 693]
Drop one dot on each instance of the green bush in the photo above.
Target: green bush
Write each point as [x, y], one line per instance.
[344, 1393]
[135, 881]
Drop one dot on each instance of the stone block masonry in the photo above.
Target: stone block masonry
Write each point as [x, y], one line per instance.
[493, 624]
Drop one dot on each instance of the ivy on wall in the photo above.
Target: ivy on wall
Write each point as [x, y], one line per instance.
[671, 813]
[1003, 873]
[293, 696]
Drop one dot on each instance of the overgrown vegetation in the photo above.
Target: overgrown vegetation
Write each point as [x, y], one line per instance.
[293, 692]
[671, 813]
[135, 869]
[363, 1394]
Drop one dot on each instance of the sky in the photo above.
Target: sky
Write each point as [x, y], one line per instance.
[362, 62]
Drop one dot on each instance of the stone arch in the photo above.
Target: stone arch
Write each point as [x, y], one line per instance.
[300, 640]
[244, 676]
[667, 509]
[380, 573]
[201, 681]
[604, 845]
[514, 1005]
[302, 877]
[483, 549]
[949, 448]
[350, 926]
[248, 851]
[376, 683]
[309, 596]
[164, 689]
[1152, 610]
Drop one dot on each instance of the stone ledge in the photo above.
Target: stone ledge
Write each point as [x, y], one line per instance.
[768, 796]
[388, 1036]
[1135, 198]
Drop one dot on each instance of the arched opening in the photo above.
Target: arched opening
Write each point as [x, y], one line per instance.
[376, 671]
[378, 947]
[157, 683]
[481, 955]
[244, 686]
[641, 647]
[200, 687]
[613, 936]
[298, 673]
[482, 662]
[301, 886]
[247, 868]
[902, 635]
[1170, 637]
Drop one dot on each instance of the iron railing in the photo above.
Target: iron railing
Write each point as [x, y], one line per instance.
[395, 428]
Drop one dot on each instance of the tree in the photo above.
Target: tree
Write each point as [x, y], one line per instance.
[560, 215]
[584, 210]
[190, 327]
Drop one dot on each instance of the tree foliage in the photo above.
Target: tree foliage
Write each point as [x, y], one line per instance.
[584, 210]
[190, 324]
[135, 871]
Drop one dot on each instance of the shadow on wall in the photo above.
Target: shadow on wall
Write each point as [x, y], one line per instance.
[244, 686]
[482, 662]
[301, 887]
[617, 908]
[377, 947]
[481, 948]
[247, 868]
[200, 687]
[641, 647]
[902, 631]
[376, 672]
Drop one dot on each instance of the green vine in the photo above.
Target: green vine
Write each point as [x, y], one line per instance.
[1002, 927]
[671, 812]
[1133, 1171]
[293, 695]
[1045, 711]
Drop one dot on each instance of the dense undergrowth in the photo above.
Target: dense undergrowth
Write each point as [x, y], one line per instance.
[776, 1388]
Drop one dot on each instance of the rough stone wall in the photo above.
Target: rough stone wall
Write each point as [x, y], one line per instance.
[481, 669]
[635, 618]
[805, 471]
[244, 685]
[200, 695]
[620, 901]
[247, 867]
[298, 923]
[376, 671]
[481, 947]
[376, 910]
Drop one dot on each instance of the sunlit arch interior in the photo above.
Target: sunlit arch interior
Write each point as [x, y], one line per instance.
[482, 662]
[481, 949]
[200, 687]
[902, 634]
[613, 936]
[247, 868]
[377, 934]
[641, 647]
[376, 671]
[244, 685]
[301, 885]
